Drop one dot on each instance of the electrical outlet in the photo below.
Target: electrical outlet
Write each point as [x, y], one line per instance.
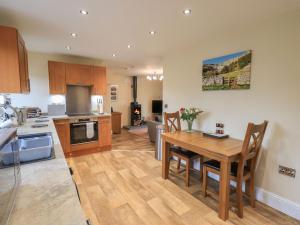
[287, 171]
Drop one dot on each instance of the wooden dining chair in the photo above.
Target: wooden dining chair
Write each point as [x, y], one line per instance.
[244, 168]
[172, 123]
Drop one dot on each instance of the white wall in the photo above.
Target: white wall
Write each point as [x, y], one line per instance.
[124, 95]
[148, 91]
[274, 94]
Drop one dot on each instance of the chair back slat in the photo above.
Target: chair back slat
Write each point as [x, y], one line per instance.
[252, 144]
[172, 121]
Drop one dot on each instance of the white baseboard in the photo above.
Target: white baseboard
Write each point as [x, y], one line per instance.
[275, 201]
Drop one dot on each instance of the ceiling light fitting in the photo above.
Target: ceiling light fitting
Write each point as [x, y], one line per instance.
[73, 35]
[84, 12]
[155, 77]
[68, 48]
[187, 12]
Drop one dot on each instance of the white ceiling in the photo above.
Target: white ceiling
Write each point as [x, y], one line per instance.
[113, 24]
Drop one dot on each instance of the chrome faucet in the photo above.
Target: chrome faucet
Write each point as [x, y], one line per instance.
[7, 105]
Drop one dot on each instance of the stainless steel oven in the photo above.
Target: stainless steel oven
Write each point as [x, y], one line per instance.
[84, 130]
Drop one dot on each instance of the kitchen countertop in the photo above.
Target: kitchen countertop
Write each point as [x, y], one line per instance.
[81, 116]
[47, 194]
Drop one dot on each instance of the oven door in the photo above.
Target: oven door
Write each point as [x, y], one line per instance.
[83, 132]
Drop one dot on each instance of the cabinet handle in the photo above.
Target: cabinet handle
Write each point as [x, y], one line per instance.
[28, 81]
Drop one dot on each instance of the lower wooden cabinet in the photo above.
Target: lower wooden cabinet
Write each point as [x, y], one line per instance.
[63, 131]
[104, 130]
[104, 142]
[116, 122]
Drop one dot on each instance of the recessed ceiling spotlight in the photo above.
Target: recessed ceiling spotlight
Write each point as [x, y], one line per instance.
[114, 55]
[153, 32]
[84, 12]
[68, 48]
[73, 35]
[187, 12]
[129, 46]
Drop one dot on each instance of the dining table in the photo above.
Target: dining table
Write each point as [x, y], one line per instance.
[225, 150]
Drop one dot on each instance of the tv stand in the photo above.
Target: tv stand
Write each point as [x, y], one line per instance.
[157, 117]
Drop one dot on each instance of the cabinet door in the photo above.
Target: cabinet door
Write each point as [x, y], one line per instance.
[57, 78]
[13, 62]
[9, 61]
[104, 127]
[100, 83]
[116, 122]
[77, 74]
[23, 66]
[63, 131]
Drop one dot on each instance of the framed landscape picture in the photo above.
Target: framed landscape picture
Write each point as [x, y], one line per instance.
[227, 72]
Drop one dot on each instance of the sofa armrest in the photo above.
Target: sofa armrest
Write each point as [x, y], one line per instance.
[152, 126]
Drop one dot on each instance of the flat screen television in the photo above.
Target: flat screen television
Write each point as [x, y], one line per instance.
[157, 106]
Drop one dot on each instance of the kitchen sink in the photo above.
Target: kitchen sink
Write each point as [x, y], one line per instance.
[33, 148]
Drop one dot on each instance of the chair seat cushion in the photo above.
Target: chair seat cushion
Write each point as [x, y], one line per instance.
[183, 152]
[234, 167]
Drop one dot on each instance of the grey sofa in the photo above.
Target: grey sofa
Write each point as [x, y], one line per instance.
[152, 127]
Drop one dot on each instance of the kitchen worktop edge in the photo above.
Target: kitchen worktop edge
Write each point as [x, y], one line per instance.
[47, 193]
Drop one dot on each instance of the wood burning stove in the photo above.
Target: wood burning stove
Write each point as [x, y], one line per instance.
[135, 107]
[136, 114]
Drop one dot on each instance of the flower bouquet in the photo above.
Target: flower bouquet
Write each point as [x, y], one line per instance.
[190, 114]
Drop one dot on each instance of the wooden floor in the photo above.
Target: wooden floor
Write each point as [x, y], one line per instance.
[124, 186]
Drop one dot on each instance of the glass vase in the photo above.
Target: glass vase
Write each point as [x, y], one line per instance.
[190, 125]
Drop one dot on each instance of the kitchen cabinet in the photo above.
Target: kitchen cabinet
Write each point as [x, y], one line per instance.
[72, 150]
[104, 130]
[57, 78]
[63, 130]
[77, 74]
[13, 62]
[99, 82]
[116, 122]
[61, 74]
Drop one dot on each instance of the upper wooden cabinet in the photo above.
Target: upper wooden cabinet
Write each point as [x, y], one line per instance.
[78, 74]
[99, 76]
[57, 78]
[13, 62]
[61, 74]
